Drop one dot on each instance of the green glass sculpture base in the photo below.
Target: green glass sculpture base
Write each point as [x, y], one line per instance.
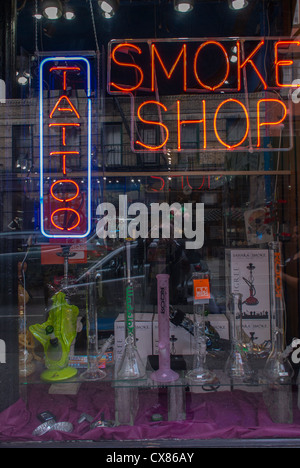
[58, 375]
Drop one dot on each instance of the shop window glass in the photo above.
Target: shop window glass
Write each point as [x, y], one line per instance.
[22, 150]
[112, 144]
[149, 136]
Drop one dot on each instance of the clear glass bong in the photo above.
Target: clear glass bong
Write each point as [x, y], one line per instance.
[278, 371]
[237, 366]
[131, 365]
[200, 374]
[164, 373]
[93, 372]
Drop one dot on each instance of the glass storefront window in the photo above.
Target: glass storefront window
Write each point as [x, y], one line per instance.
[149, 230]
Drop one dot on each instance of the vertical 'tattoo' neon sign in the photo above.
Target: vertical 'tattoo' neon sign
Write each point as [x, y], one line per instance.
[65, 147]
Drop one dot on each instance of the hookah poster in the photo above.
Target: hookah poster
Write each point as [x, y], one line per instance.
[247, 273]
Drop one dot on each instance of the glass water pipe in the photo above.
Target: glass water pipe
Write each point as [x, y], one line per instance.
[164, 373]
[131, 365]
[200, 374]
[278, 371]
[237, 366]
[93, 372]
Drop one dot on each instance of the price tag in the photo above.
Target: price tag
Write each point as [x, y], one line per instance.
[201, 291]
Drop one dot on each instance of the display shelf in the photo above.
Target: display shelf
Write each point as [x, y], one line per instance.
[120, 409]
[179, 363]
[208, 415]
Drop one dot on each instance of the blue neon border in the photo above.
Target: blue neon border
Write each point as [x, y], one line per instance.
[89, 132]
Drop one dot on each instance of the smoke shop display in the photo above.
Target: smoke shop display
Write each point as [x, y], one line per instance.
[131, 365]
[212, 363]
[200, 373]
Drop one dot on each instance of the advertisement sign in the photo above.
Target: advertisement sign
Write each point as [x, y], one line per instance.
[247, 273]
[65, 143]
[158, 73]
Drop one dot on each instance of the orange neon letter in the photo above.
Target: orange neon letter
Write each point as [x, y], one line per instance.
[154, 52]
[283, 63]
[180, 122]
[125, 88]
[162, 186]
[200, 186]
[64, 154]
[64, 109]
[260, 124]
[247, 123]
[153, 123]
[211, 88]
[64, 125]
[65, 69]
[249, 60]
[71, 211]
[68, 181]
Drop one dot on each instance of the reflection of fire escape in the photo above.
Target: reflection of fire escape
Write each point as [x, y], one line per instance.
[125, 122]
[112, 155]
[251, 300]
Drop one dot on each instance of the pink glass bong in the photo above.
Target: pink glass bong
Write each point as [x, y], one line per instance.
[164, 372]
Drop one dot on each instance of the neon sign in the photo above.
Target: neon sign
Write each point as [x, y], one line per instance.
[159, 182]
[65, 144]
[150, 71]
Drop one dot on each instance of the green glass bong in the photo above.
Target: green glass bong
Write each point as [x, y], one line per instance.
[58, 332]
[131, 365]
[56, 335]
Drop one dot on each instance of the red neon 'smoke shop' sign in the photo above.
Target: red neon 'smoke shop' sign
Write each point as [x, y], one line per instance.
[150, 70]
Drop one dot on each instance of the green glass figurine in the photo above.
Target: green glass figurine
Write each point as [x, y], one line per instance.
[56, 335]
